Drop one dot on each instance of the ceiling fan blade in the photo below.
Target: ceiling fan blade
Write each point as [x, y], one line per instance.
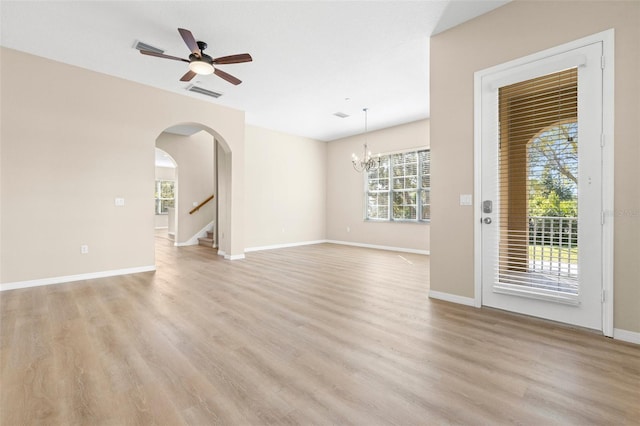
[231, 79]
[162, 55]
[188, 76]
[190, 41]
[233, 59]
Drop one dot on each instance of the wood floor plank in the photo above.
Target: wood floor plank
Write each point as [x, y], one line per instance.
[311, 335]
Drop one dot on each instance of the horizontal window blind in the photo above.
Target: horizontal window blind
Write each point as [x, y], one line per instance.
[538, 177]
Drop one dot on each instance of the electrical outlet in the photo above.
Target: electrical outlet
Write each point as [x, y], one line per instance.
[119, 202]
[84, 249]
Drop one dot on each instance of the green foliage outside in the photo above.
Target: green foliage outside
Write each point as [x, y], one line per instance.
[553, 171]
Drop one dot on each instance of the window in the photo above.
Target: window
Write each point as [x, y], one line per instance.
[165, 197]
[399, 190]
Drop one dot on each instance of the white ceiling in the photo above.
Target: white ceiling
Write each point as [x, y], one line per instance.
[310, 58]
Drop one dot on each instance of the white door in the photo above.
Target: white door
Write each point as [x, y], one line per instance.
[541, 188]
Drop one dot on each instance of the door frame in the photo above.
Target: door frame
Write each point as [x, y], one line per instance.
[608, 75]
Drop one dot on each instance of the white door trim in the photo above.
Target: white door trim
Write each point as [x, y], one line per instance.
[607, 39]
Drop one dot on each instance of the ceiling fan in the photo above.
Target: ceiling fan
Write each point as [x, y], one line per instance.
[200, 62]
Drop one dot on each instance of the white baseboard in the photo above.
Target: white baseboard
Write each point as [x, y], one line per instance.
[454, 298]
[71, 278]
[230, 256]
[346, 243]
[379, 247]
[234, 256]
[626, 335]
[279, 246]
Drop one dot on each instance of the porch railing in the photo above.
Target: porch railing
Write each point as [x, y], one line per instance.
[553, 245]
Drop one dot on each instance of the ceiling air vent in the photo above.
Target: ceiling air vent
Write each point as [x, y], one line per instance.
[197, 89]
[144, 46]
[340, 114]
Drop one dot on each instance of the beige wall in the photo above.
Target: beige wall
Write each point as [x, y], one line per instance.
[286, 188]
[71, 143]
[165, 173]
[345, 190]
[512, 31]
[195, 172]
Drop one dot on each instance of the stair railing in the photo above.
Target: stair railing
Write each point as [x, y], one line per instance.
[199, 206]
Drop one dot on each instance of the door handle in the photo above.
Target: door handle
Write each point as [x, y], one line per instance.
[487, 220]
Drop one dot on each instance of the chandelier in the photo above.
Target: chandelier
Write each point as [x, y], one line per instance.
[367, 162]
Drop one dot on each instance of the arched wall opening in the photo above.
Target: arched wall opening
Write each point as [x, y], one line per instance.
[204, 168]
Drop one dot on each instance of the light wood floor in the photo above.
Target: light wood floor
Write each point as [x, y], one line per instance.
[320, 334]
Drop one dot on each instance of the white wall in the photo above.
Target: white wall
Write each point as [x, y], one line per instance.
[285, 188]
[345, 190]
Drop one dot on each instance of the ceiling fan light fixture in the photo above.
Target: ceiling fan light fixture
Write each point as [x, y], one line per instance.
[201, 67]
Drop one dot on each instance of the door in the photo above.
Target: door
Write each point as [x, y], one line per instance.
[541, 188]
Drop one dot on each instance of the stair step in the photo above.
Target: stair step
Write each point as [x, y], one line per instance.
[205, 241]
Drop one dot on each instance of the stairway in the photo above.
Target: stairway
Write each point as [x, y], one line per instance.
[207, 241]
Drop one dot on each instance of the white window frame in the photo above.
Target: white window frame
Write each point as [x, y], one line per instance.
[390, 191]
[157, 206]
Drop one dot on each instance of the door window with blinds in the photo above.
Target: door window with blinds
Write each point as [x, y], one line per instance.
[538, 185]
[400, 189]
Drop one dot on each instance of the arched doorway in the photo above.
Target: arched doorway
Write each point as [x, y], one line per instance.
[202, 185]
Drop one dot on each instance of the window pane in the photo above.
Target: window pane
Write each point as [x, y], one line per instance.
[165, 204]
[411, 182]
[376, 184]
[404, 205]
[166, 189]
[425, 197]
[397, 199]
[426, 212]
[377, 205]
[425, 201]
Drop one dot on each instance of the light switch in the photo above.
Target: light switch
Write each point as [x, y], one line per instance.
[119, 202]
[465, 199]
